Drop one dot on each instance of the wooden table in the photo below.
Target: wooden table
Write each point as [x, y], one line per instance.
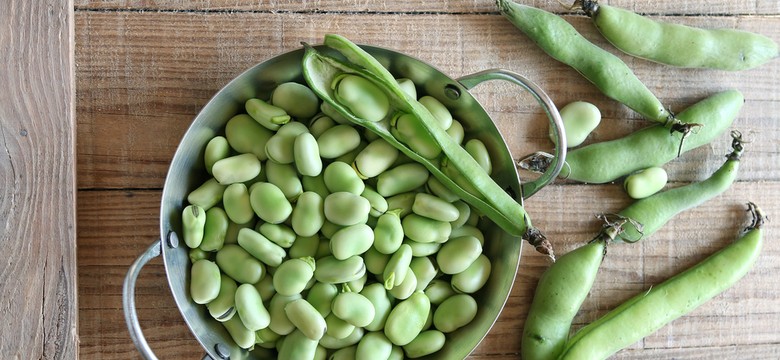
[143, 69]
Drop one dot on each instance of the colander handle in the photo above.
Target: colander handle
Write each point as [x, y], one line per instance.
[529, 188]
[128, 300]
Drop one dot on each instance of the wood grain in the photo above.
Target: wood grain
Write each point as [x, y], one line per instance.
[37, 181]
[145, 68]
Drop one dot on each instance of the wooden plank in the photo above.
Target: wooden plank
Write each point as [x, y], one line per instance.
[700, 7]
[37, 181]
[139, 84]
[116, 226]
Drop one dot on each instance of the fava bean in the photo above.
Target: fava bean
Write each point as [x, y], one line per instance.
[249, 306]
[457, 254]
[306, 318]
[435, 208]
[580, 118]
[439, 290]
[407, 319]
[424, 230]
[216, 149]
[338, 328]
[296, 346]
[231, 237]
[353, 308]
[194, 223]
[344, 208]
[375, 261]
[239, 264]
[307, 155]
[296, 99]
[304, 246]
[215, 229]
[388, 232]
[353, 338]
[266, 288]
[321, 296]
[292, 276]
[280, 148]
[378, 202]
[351, 240]
[464, 213]
[477, 149]
[308, 216]
[402, 202]
[334, 271]
[269, 116]
[337, 141]
[422, 249]
[196, 254]
[435, 187]
[280, 234]
[644, 183]
[269, 203]
[455, 312]
[207, 195]
[315, 184]
[397, 267]
[474, 277]
[406, 288]
[382, 302]
[223, 307]
[375, 158]
[280, 324]
[238, 208]
[245, 135]
[340, 177]
[238, 168]
[438, 110]
[402, 178]
[285, 177]
[373, 345]
[260, 247]
[411, 131]
[468, 230]
[428, 342]
[456, 132]
[243, 337]
[408, 87]
[204, 281]
[361, 96]
[425, 271]
[267, 338]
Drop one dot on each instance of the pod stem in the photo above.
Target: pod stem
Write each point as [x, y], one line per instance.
[675, 125]
[539, 241]
[758, 217]
[590, 7]
[537, 162]
[613, 227]
[737, 146]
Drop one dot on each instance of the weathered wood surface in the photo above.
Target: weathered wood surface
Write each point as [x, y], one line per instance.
[144, 69]
[38, 304]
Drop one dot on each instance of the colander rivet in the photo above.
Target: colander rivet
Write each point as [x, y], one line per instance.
[173, 239]
[452, 92]
[222, 351]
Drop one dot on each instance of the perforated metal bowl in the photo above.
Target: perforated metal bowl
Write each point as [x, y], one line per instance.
[187, 172]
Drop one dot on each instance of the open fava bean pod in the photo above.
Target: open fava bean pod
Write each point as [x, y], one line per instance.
[487, 281]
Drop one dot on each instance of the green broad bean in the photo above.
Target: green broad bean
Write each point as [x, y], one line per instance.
[457, 254]
[609, 160]
[340, 177]
[238, 168]
[196, 254]
[231, 237]
[330, 270]
[269, 203]
[351, 240]
[382, 302]
[656, 210]
[345, 209]
[349, 157]
[315, 184]
[673, 298]
[204, 281]
[280, 324]
[424, 230]
[337, 141]
[436, 188]
[377, 201]
[266, 288]
[401, 179]
[207, 194]
[292, 275]
[397, 267]
[280, 148]
[280, 234]
[439, 290]
[580, 118]
[353, 338]
[427, 343]
[306, 153]
[438, 110]
[223, 307]
[308, 216]
[474, 277]
[321, 296]
[454, 313]
[363, 98]
[216, 149]
[388, 232]
[408, 87]
[306, 318]
[644, 183]
[435, 208]
[193, 219]
[296, 99]
[243, 337]
[338, 328]
[215, 229]
[304, 246]
[260, 247]
[402, 202]
[559, 294]
[422, 249]
[328, 230]
[353, 308]
[407, 319]
[245, 135]
[375, 261]
[297, 346]
[607, 72]
[456, 132]
[269, 116]
[238, 208]
[406, 288]
[285, 177]
[319, 124]
[347, 353]
[680, 45]
[411, 131]
[375, 158]
[266, 337]
[239, 264]
[425, 271]
[373, 345]
[477, 149]
[250, 308]
[468, 230]
[464, 213]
